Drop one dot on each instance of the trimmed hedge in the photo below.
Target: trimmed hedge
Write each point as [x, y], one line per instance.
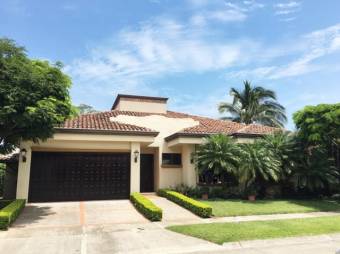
[9, 213]
[146, 207]
[193, 205]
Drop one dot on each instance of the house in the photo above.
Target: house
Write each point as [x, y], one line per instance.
[137, 146]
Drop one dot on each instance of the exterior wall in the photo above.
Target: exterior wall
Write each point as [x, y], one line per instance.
[245, 140]
[135, 168]
[24, 169]
[169, 177]
[141, 106]
[189, 174]
[185, 140]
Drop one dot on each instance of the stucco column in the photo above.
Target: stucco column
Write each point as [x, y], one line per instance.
[189, 174]
[135, 168]
[24, 169]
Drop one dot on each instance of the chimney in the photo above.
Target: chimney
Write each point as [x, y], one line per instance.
[137, 103]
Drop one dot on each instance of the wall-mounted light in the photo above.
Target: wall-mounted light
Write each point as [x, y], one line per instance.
[23, 153]
[136, 153]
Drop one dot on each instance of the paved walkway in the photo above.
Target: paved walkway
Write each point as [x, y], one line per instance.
[254, 218]
[173, 213]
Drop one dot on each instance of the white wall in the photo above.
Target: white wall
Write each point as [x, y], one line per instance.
[189, 174]
[135, 168]
[24, 169]
[142, 106]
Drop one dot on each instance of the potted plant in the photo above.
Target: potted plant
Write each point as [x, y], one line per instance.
[251, 192]
[205, 192]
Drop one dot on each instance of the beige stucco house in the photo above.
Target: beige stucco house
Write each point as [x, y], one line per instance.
[137, 146]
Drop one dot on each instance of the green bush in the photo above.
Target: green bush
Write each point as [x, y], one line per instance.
[146, 207]
[194, 206]
[2, 178]
[9, 213]
[4, 203]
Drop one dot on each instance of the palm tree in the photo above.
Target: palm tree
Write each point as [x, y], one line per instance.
[258, 165]
[283, 146]
[254, 105]
[314, 171]
[219, 153]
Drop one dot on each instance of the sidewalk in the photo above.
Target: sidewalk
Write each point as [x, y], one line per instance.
[321, 244]
[254, 218]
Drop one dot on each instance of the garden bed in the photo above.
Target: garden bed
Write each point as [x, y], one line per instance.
[231, 232]
[222, 208]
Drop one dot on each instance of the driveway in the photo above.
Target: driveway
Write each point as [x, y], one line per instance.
[94, 227]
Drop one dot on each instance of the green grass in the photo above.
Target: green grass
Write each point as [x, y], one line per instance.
[223, 208]
[230, 232]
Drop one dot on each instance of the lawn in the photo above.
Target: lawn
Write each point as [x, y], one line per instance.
[242, 207]
[231, 232]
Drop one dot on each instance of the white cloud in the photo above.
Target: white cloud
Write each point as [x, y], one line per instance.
[315, 46]
[287, 5]
[286, 10]
[221, 11]
[229, 15]
[153, 50]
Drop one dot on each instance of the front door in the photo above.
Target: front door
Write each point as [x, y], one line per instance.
[146, 173]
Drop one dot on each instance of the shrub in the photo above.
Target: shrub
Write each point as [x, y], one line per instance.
[9, 213]
[146, 207]
[194, 206]
[2, 178]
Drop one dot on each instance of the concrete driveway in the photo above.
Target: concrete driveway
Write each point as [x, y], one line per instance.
[93, 227]
[72, 214]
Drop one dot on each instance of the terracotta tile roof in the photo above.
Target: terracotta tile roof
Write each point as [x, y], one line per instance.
[101, 122]
[256, 129]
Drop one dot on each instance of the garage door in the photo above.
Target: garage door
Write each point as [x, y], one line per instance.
[66, 176]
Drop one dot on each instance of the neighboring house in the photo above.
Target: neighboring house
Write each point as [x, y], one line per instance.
[138, 146]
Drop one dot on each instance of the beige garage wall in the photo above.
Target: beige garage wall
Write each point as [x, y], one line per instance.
[82, 142]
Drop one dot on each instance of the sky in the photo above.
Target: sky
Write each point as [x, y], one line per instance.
[192, 51]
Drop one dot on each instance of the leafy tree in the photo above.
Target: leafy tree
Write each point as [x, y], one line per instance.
[34, 97]
[258, 165]
[254, 105]
[219, 153]
[314, 171]
[319, 125]
[85, 109]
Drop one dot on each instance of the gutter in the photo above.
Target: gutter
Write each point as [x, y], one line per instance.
[106, 132]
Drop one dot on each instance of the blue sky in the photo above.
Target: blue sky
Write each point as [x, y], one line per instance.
[192, 51]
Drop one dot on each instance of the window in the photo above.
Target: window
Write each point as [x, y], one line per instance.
[171, 159]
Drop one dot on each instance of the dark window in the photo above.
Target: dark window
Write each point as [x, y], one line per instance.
[171, 159]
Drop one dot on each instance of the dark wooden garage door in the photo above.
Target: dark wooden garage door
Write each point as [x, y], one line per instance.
[66, 176]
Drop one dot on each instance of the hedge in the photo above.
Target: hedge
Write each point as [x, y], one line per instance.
[146, 207]
[9, 213]
[193, 205]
